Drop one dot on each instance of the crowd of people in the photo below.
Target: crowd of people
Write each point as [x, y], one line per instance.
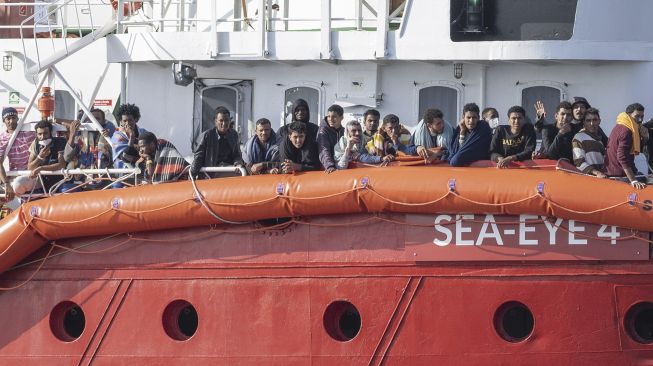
[301, 145]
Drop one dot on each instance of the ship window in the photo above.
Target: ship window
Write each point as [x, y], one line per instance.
[64, 105]
[67, 321]
[513, 321]
[180, 320]
[510, 20]
[212, 98]
[440, 97]
[342, 321]
[639, 322]
[310, 95]
[550, 96]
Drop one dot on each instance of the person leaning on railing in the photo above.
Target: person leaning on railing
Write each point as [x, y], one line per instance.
[18, 155]
[47, 153]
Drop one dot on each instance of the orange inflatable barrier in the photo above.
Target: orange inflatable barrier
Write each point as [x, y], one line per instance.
[426, 189]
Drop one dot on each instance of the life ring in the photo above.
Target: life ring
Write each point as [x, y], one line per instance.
[135, 6]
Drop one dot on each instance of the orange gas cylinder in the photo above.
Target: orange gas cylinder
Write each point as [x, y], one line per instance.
[46, 103]
[135, 6]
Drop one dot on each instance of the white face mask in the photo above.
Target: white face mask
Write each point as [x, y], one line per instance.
[45, 142]
[494, 122]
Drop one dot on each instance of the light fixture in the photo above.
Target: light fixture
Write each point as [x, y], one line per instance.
[7, 61]
[458, 70]
[475, 19]
[183, 74]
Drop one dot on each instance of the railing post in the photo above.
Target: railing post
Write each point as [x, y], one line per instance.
[325, 30]
[213, 51]
[262, 27]
[382, 11]
[79, 101]
[359, 15]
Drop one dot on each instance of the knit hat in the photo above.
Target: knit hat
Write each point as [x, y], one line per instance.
[578, 100]
[9, 112]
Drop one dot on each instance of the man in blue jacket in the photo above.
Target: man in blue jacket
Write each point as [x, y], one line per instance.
[471, 139]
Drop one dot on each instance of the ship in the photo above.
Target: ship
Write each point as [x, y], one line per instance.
[404, 265]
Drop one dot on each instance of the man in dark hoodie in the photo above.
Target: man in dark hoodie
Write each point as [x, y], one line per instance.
[330, 132]
[297, 152]
[557, 138]
[300, 113]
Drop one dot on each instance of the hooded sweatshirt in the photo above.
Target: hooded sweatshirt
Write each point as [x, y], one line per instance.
[311, 128]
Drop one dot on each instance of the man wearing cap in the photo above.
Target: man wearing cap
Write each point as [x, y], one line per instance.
[579, 107]
[18, 154]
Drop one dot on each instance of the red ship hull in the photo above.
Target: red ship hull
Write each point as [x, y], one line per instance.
[264, 295]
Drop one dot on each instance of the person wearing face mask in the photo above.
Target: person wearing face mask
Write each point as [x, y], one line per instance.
[491, 116]
[18, 155]
[218, 146]
[47, 153]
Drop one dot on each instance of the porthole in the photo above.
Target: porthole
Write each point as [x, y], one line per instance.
[67, 321]
[342, 321]
[639, 322]
[180, 320]
[514, 321]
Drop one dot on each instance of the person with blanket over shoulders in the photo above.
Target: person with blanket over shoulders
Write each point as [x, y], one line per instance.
[471, 139]
[432, 132]
[159, 160]
[261, 150]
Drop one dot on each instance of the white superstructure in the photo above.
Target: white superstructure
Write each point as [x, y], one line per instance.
[395, 56]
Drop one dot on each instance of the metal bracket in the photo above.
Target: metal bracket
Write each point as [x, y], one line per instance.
[452, 185]
[34, 211]
[364, 182]
[632, 199]
[280, 189]
[115, 203]
[540, 188]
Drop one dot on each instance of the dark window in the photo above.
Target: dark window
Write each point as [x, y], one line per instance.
[550, 96]
[442, 98]
[510, 20]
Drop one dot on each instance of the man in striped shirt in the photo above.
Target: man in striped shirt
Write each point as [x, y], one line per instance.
[587, 147]
[18, 154]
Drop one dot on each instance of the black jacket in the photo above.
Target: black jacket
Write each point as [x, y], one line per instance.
[206, 154]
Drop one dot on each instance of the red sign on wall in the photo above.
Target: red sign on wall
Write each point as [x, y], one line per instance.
[103, 103]
[22, 10]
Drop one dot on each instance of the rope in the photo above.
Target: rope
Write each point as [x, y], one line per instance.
[208, 209]
[33, 273]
